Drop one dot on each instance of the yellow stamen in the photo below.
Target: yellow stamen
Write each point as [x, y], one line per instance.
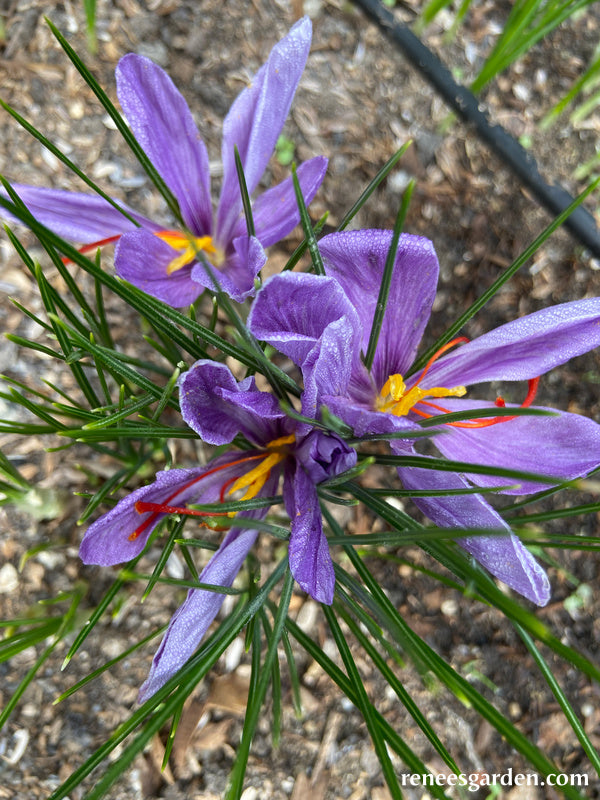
[396, 400]
[254, 480]
[189, 248]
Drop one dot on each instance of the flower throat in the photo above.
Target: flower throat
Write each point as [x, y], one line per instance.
[394, 397]
[190, 248]
[253, 481]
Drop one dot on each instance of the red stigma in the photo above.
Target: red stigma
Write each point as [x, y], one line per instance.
[93, 246]
[224, 488]
[441, 351]
[499, 402]
[155, 509]
[484, 423]
[162, 508]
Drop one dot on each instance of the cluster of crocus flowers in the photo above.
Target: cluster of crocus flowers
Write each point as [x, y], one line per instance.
[176, 265]
[324, 324]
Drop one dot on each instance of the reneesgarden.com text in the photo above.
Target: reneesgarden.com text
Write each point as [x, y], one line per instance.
[476, 780]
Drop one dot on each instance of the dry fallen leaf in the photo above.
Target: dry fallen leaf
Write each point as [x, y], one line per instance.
[229, 693]
[304, 787]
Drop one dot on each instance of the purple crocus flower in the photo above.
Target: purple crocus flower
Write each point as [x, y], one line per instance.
[323, 324]
[219, 408]
[168, 263]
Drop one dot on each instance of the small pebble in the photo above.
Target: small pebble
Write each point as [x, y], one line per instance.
[233, 654]
[449, 608]
[76, 109]
[21, 740]
[515, 711]
[9, 579]
[307, 616]
[521, 91]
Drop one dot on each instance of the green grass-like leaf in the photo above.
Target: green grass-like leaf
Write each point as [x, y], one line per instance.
[416, 648]
[386, 671]
[473, 576]
[444, 465]
[398, 745]
[168, 321]
[56, 151]
[373, 186]
[309, 233]
[588, 78]
[566, 707]
[386, 280]
[528, 22]
[90, 16]
[108, 665]
[61, 627]
[257, 696]
[244, 192]
[363, 704]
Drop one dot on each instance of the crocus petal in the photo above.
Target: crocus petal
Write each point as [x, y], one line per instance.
[565, 446]
[508, 559]
[357, 260]
[76, 216]
[292, 311]
[217, 407]
[192, 619]
[524, 348]
[310, 560]
[275, 212]
[163, 125]
[245, 258]
[323, 455]
[256, 118]
[333, 365]
[309, 319]
[107, 541]
[503, 556]
[142, 259]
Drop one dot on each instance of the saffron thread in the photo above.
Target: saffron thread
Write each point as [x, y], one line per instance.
[92, 246]
[155, 513]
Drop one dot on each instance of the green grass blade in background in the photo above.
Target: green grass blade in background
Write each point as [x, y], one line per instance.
[398, 745]
[566, 707]
[90, 17]
[307, 227]
[363, 703]
[416, 648]
[588, 79]
[528, 22]
[386, 280]
[373, 185]
[56, 151]
[158, 709]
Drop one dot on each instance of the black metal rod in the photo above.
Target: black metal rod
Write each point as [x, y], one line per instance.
[554, 198]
